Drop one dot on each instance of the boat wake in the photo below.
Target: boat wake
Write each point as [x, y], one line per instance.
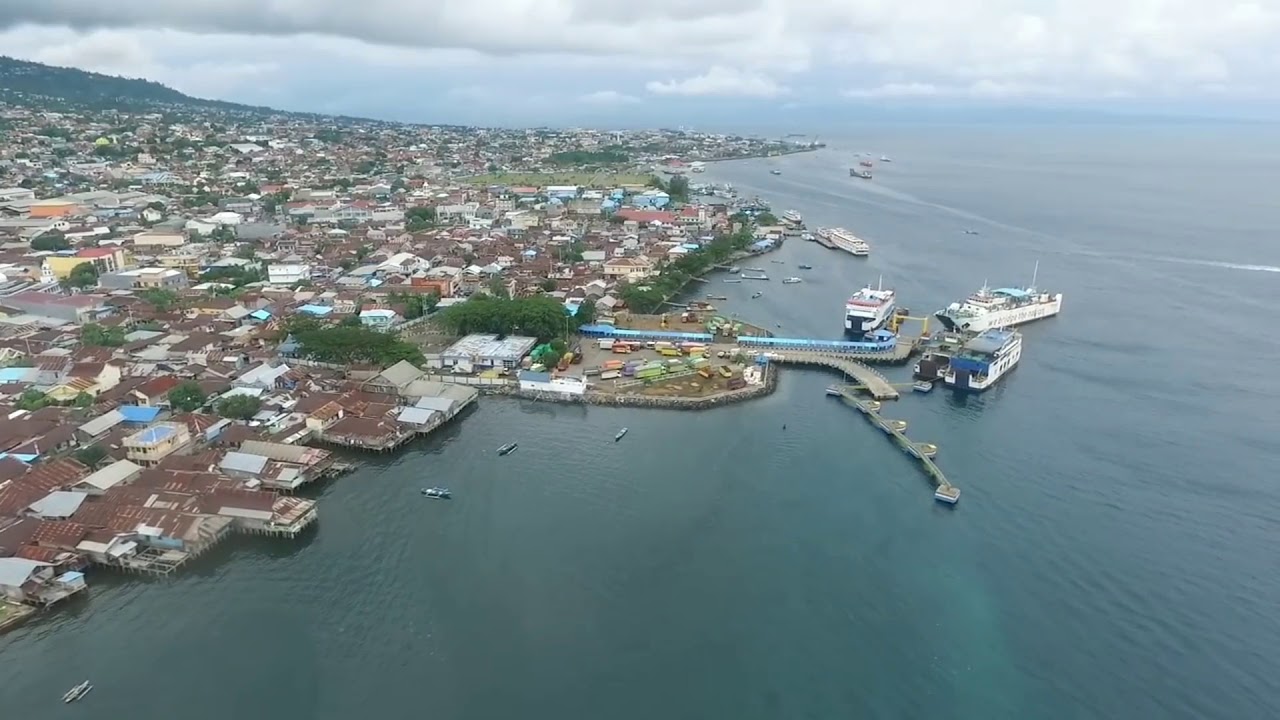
[1220, 264]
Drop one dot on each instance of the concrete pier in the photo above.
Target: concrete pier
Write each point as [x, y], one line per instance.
[895, 429]
[876, 384]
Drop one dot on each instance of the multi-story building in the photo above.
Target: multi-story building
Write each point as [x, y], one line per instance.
[149, 446]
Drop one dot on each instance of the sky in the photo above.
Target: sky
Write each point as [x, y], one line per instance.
[674, 62]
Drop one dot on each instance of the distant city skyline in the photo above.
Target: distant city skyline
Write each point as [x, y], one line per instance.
[702, 62]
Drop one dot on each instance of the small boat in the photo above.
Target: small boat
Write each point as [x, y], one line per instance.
[865, 163]
[507, 449]
[733, 281]
[971, 232]
[790, 281]
[755, 269]
[885, 158]
[437, 493]
[948, 494]
[778, 262]
[808, 236]
[621, 432]
[923, 386]
[802, 266]
[834, 390]
[735, 269]
[717, 297]
[77, 692]
[775, 172]
[864, 174]
[756, 294]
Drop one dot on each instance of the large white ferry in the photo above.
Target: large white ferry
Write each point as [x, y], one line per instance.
[868, 310]
[793, 217]
[1001, 307]
[842, 239]
[984, 359]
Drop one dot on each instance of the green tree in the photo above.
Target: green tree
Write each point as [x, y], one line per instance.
[187, 396]
[420, 218]
[51, 241]
[91, 456]
[540, 316]
[586, 313]
[678, 189]
[84, 275]
[83, 400]
[161, 298]
[548, 285]
[766, 218]
[95, 335]
[347, 345]
[32, 399]
[239, 407]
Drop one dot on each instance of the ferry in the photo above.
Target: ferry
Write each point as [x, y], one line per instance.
[620, 434]
[1001, 307]
[985, 359]
[790, 281]
[793, 217]
[77, 692]
[437, 493]
[507, 449]
[868, 310]
[844, 240]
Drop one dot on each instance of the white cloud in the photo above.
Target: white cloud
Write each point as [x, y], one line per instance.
[720, 81]
[608, 97]
[977, 48]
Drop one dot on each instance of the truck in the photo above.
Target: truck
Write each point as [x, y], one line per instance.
[737, 383]
[621, 348]
[577, 355]
[565, 360]
[725, 372]
[705, 372]
[606, 344]
[609, 375]
[663, 345]
[668, 352]
[650, 373]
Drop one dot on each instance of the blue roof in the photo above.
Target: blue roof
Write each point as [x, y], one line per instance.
[611, 331]
[805, 344]
[260, 315]
[24, 457]
[1012, 292]
[572, 307]
[530, 376]
[316, 309]
[138, 413]
[155, 434]
[14, 374]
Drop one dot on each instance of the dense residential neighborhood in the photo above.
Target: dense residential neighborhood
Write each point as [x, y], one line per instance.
[198, 308]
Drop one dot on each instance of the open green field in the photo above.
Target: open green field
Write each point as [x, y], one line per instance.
[602, 179]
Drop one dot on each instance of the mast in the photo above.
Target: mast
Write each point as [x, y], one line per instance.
[1034, 273]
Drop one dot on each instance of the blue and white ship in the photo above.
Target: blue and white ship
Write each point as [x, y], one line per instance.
[868, 310]
[985, 359]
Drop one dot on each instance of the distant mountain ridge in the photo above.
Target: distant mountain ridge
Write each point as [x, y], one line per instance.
[35, 84]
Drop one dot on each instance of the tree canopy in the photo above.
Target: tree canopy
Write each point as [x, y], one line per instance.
[161, 298]
[416, 304]
[187, 396]
[84, 275]
[52, 240]
[540, 316]
[239, 407]
[95, 335]
[648, 297]
[343, 344]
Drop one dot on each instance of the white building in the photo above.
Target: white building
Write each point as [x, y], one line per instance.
[288, 274]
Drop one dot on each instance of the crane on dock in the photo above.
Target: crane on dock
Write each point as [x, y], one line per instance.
[895, 323]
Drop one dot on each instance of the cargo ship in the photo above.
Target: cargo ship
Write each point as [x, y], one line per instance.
[1001, 307]
[868, 310]
[984, 360]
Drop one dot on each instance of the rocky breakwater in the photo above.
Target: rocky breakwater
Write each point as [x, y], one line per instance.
[658, 401]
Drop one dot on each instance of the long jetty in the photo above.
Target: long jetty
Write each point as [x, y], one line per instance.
[896, 430]
[876, 384]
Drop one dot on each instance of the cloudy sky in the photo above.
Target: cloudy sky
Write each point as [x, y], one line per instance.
[512, 62]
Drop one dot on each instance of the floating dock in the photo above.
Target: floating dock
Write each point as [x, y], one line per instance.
[944, 491]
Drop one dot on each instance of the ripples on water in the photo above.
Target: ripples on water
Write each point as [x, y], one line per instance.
[1110, 558]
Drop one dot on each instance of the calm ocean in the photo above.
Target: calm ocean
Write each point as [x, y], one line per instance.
[1113, 556]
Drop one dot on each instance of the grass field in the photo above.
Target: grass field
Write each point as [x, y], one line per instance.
[581, 179]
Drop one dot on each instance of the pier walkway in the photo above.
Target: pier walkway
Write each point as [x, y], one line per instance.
[896, 430]
[876, 384]
[892, 351]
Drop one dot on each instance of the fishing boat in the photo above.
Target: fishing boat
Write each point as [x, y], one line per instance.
[923, 386]
[507, 449]
[735, 269]
[790, 281]
[885, 158]
[756, 294]
[775, 172]
[437, 493]
[717, 297]
[621, 433]
[735, 280]
[755, 269]
[77, 692]
[802, 266]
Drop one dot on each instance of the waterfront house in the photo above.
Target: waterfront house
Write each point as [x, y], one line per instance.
[34, 583]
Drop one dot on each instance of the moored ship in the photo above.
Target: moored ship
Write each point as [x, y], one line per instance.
[985, 359]
[1000, 307]
[793, 217]
[842, 239]
[868, 310]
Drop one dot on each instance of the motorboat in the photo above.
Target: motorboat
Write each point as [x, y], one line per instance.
[775, 172]
[885, 158]
[923, 386]
[735, 280]
[735, 269]
[802, 266]
[507, 449]
[77, 692]
[620, 434]
[790, 281]
[971, 232]
[437, 493]
[756, 294]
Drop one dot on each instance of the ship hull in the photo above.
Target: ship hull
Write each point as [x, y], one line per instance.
[1007, 317]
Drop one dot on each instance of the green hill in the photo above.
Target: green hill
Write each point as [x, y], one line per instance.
[38, 85]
